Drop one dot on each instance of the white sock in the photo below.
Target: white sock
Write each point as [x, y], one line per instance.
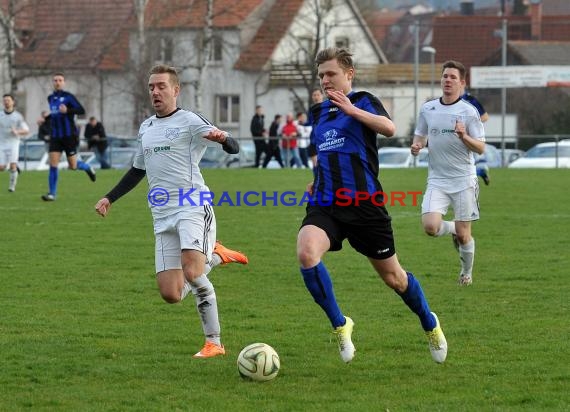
[446, 228]
[467, 255]
[13, 179]
[207, 306]
[215, 261]
[185, 289]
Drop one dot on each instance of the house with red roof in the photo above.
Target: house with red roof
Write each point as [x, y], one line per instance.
[231, 56]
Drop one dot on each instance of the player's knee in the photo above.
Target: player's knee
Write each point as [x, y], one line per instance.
[307, 256]
[395, 281]
[431, 230]
[170, 296]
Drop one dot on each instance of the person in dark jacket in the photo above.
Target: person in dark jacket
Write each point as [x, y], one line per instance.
[97, 141]
[257, 129]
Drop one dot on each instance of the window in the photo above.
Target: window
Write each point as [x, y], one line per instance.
[227, 109]
[162, 48]
[305, 50]
[342, 41]
[216, 47]
[71, 42]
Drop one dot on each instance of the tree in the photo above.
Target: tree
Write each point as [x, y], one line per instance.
[11, 38]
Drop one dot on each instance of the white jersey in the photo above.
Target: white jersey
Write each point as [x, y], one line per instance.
[451, 165]
[10, 121]
[170, 149]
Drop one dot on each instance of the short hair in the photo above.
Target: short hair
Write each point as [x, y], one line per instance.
[92, 118]
[164, 68]
[277, 116]
[454, 64]
[8, 95]
[342, 55]
[58, 74]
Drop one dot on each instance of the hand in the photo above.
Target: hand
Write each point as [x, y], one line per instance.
[62, 108]
[339, 99]
[216, 135]
[459, 129]
[415, 148]
[310, 188]
[102, 207]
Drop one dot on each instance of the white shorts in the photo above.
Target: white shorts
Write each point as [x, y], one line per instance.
[194, 231]
[9, 151]
[465, 203]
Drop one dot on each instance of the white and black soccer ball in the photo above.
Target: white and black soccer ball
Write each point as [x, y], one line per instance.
[258, 362]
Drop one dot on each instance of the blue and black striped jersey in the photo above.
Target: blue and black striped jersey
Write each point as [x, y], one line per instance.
[347, 149]
[63, 124]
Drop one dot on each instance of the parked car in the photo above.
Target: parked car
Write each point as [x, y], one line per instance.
[510, 155]
[119, 158]
[33, 156]
[543, 155]
[491, 156]
[401, 157]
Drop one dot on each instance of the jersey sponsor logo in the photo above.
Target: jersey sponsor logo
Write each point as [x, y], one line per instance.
[331, 141]
[172, 133]
[147, 152]
[333, 109]
[161, 149]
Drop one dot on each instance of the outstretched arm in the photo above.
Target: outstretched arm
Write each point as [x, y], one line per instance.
[125, 185]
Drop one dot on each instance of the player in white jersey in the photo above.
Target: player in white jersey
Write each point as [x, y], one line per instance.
[171, 144]
[454, 131]
[12, 128]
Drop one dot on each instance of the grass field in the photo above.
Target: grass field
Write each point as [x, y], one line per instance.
[83, 328]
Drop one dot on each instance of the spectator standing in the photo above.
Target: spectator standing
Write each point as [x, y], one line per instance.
[12, 128]
[44, 128]
[317, 98]
[272, 150]
[289, 141]
[257, 129]
[97, 141]
[64, 134]
[304, 133]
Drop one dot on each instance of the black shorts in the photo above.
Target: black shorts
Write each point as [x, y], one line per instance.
[367, 227]
[64, 144]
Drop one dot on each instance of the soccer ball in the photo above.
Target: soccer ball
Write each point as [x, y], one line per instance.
[258, 362]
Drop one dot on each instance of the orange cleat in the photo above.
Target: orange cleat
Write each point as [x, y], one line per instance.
[228, 255]
[210, 350]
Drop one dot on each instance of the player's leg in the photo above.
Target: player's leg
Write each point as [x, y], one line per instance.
[54, 157]
[197, 233]
[13, 164]
[466, 206]
[434, 206]
[73, 162]
[312, 243]
[408, 287]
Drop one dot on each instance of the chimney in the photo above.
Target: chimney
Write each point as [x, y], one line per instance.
[467, 8]
[535, 19]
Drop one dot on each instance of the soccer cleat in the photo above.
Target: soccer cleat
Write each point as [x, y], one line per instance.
[228, 255]
[11, 189]
[210, 350]
[455, 242]
[343, 336]
[91, 173]
[486, 179]
[465, 280]
[437, 342]
[48, 198]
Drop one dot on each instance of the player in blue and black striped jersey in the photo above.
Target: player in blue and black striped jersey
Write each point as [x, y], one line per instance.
[346, 203]
[64, 134]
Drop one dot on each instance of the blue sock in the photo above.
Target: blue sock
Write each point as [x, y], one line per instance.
[416, 301]
[318, 282]
[81, 165]
[52, 179]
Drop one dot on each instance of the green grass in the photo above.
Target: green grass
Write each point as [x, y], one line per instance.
[83, 328]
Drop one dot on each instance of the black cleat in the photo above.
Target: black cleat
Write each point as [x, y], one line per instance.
[91, 173]
[48, 198]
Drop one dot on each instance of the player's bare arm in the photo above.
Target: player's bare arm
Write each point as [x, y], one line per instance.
[475, 145]
[229, 144]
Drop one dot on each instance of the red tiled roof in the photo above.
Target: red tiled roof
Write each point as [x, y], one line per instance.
[472, 39]
[53, 20]
[380, 22]
[274, 27]
[190, 13]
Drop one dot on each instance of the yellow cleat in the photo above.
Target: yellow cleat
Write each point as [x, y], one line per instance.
[437, 342]
[344, 337]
